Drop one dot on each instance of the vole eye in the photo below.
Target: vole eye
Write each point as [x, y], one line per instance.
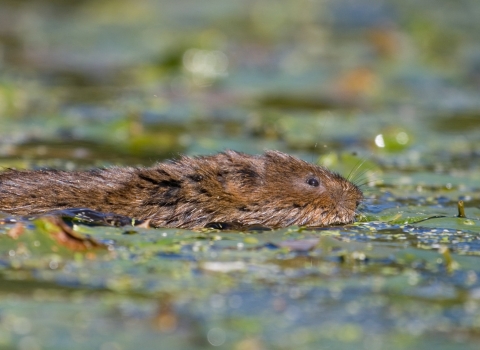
[313, 181]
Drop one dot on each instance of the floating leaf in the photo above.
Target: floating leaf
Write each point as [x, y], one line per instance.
[62, 234]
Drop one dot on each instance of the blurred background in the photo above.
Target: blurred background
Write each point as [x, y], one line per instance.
[389, 88]
[87, 83]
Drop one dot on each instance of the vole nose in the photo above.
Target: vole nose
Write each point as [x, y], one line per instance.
[344, 199]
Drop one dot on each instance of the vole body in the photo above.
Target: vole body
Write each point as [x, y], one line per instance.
[273, 189]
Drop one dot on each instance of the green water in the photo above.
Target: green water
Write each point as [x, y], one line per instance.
[385, 90]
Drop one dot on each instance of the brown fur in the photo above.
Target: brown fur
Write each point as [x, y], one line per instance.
[272, 190]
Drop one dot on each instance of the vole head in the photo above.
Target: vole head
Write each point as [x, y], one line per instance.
[299, 193]
[274, 190]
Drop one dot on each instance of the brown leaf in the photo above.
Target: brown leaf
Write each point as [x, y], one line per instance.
[16, 231]
[144, 224]
[65, 235]
[166, 319]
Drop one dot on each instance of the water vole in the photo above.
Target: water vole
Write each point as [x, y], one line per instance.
[273, 189]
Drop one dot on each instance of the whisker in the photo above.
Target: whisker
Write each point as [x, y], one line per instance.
[356, 167]
[368, 179]
[366, 182]
[365, 171]
[369, 197]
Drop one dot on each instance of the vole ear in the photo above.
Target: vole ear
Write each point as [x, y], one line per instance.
[234, 154]
[284, 165]
[276, 155]
[276, 164]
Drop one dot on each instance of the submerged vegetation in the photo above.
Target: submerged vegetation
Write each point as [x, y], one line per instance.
[385, 93]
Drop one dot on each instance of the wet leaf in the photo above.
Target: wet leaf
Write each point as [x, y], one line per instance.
[63, 235]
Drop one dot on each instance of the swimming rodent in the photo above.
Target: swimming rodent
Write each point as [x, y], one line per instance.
[273, 190]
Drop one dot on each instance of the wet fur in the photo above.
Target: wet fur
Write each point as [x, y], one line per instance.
[271, 190]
